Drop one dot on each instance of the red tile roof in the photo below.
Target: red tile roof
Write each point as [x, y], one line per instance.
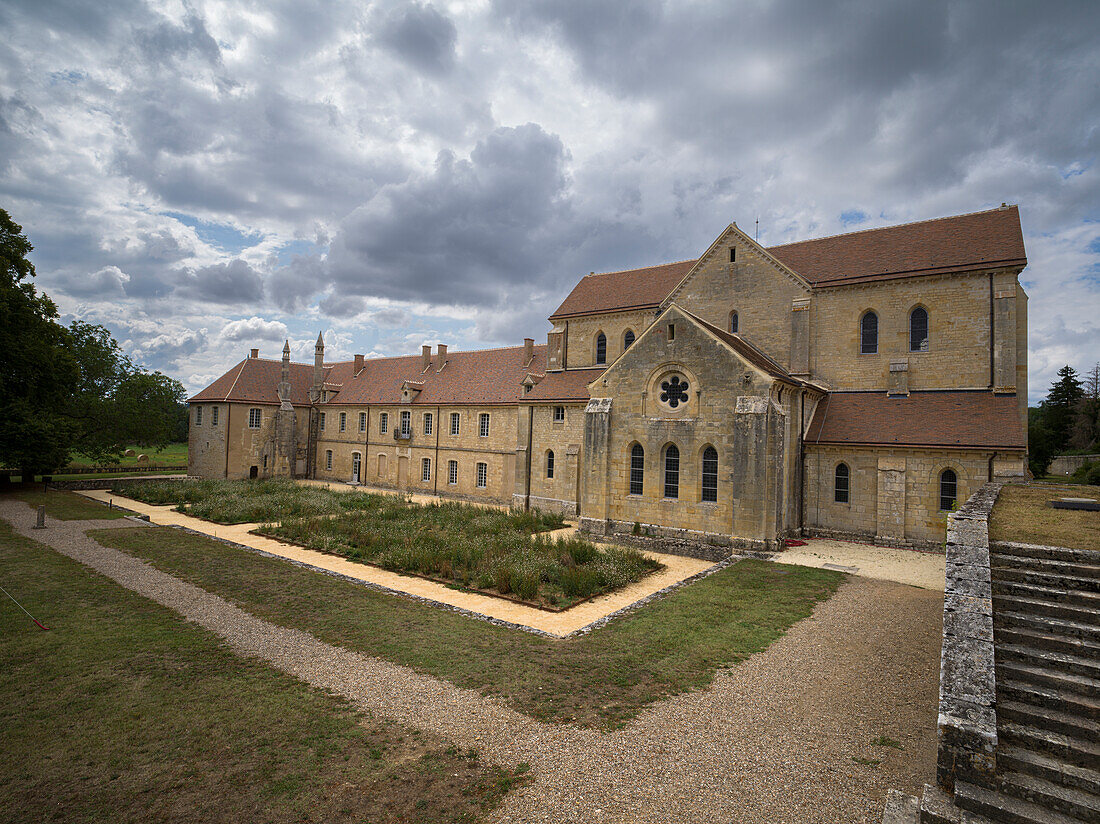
[621, 291]
[255, 380]
[948, 244]
[571, 385]
[952, 419]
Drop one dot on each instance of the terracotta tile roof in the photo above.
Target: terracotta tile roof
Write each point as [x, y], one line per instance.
[962, 418]
[620, 291]
[946, 244]
[749, 352]
[255, 380]
[570, 385]
[486, 376]
[943, 245]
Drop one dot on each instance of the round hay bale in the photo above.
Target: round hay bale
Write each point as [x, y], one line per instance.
[129, 453]
[143, 458]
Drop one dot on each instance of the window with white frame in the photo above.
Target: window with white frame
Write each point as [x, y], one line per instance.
[362, 421]
[456, 422]
[482, 475]
[255, 417]
[343, 421]
[384, 422]
[426, 469]
[198, 416]
[328, 459]
[452, 472]
[428, 423]
[214, 415]
[483, 424]
[406, 424]
[559, 414]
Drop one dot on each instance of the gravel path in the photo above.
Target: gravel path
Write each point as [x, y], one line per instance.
[772, 740]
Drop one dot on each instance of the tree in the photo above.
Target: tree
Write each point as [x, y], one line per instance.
[1060, 405]
[65, 390]
[1085, 433]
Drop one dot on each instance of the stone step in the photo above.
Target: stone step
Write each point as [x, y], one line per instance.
[1064, 747]
[1050, 553]
[937, 807]
[1074, 803]
[901, 809]
[1060, 662]
[1090, 600]
[1000, 561]
[1043, 639]
[1044, 766]
[1056, 580]
[1072, 703]
[1042, 607]
[1005, 808]
[1052, 720]
[1061, 627]
[1046, 677]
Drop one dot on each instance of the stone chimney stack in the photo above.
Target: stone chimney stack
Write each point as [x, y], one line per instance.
[528, 351]
[284, 380]
[318, 369]
[425, 357]
[254, 354]
[358, 364]
[441, 349]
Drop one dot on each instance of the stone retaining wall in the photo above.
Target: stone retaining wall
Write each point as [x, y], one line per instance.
[967, 722]
[1068, 464]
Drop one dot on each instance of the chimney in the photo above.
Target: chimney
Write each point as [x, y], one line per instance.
[528, 350]
[442, 350]
[255, 354]
[425, 357]
[358, 364]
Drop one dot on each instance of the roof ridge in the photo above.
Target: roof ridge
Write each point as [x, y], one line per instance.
[240, 372]
[641, 268]
[894, 226]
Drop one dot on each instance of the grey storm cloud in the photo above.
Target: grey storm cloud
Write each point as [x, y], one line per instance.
[234, 282]
[421, 35]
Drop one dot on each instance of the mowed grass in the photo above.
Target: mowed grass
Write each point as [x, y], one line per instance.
[1023, 513]
[174, 454]
[600, 679]
[124, 711]
[60, 504]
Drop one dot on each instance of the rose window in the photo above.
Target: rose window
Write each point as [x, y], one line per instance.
[674, 391]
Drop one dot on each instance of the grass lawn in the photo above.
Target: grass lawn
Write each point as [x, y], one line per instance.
[600, 679]
[124, 711]
[65, 506]
[175, 454]
[1023, 513]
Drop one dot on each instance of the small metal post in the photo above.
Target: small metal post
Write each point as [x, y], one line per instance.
[41, 517]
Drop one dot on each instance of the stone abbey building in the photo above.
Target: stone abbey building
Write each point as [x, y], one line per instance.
[857, 385]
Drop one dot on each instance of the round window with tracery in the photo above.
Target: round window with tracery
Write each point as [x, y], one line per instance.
[674, 391]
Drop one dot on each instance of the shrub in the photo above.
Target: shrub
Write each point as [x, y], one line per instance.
[1093, 475]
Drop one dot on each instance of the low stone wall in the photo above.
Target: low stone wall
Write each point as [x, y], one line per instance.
[1068, 464]
[871, 538]
[967, 722]
[107, 483]
[688, 543]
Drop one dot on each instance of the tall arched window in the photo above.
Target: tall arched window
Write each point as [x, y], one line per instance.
[710, 474]
[949, 489]
[550, 463]
[637, 469]
[918, 330]
[733, 321]
[672, 471]
[628, 338]
[601, 348]
[868, 334]
[840, 483]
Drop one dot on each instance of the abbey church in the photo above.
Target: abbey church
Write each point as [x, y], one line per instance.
[856, 386]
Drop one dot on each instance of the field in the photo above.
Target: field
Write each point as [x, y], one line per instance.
[174, 454]
[124, 711]
[1023, 513]
[62, 505]
[475, 548]
[599, 679]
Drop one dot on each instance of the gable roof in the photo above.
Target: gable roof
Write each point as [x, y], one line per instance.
[570, 385]
[256, 380]
[980, 240]
[974, 418]
[746, 350]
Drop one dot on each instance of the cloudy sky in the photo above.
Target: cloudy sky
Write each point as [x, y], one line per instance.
[203, 177]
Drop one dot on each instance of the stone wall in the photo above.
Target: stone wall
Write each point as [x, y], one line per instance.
[580, 335]
[232, 448]
[564, 438]
[1068, 464]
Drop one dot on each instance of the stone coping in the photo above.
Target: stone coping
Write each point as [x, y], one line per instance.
[967, 720]
[578, 619]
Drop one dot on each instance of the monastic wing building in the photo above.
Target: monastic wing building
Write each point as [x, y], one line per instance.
[859, 386]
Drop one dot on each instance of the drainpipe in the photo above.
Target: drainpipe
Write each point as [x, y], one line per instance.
[435, 475]
[228, 419]
[989, 474]
[992, 332]
[527, 469]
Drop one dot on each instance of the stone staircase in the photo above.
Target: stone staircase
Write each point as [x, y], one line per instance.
[1046, 629]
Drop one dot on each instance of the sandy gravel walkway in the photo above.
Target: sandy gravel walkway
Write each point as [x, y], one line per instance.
[772, 740]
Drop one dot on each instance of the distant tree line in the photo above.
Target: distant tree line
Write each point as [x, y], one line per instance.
[69, 389]
[1067, 421]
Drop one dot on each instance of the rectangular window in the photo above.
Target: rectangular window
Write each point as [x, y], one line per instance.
[672, 331]
[362, 421]
[198, 416]
[214, 415]
[343, 421]
[255, 416]
[426, 469]
[321, 420]
[452, 472]
[384, 423]
[482, 475]
[427, 423]
[406, 424]
[559, 414]
[455, 418]
[328, 459]
[483, 424]
[733, 254]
